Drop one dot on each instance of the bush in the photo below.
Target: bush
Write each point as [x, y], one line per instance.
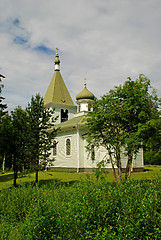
[86, 210]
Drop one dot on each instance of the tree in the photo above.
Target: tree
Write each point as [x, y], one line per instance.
[5, 139]
[138, 113]
[41, 140]
[123, 119]
[20, 139]
[105, 129]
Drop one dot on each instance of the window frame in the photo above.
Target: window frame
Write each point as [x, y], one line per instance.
[68, 155]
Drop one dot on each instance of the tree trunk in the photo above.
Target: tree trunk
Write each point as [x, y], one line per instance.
[128, 166]
[37, 162]
[119, 168]
[119, 172]
[113, 169]
[3, 164]
[15, 178]
[15, 170]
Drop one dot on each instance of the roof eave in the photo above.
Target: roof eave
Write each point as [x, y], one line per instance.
[72, 127]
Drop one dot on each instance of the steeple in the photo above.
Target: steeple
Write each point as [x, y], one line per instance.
[57, 92]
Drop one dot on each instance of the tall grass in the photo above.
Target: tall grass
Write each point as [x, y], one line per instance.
[85, 209]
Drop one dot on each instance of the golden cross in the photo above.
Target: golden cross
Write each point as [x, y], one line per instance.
[57, 51]
[85, 82]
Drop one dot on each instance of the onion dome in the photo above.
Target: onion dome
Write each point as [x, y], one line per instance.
[85, 94]
[57, 60]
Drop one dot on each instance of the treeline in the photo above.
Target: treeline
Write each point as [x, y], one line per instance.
[24, 139]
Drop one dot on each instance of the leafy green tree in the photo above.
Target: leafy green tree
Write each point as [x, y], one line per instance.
[105, 130]
[5, 140]
[142, 103]
[139, 110]
[123, 119]
[20, 139]
[41, 139]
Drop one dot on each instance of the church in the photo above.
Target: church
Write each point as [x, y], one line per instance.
[70, 152]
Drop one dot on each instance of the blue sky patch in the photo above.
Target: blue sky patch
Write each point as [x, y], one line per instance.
[19, 40]
[16, 22]
[43, 49]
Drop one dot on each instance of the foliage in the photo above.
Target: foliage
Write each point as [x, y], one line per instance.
[5, 140]
[20, 138]
[152, 147]
[25, 138]
[104, 128]
[123, 119]
[41, 140]
[85, 210]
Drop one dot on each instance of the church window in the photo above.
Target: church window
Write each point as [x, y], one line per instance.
[64, 115]
[79, 108]
[68, 147]
[54, 148]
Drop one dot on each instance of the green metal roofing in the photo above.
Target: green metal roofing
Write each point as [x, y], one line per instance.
[85, 94]
[80, 121]
[57, 91]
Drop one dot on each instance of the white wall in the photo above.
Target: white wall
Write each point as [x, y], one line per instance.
[81, 156]
[57, 112]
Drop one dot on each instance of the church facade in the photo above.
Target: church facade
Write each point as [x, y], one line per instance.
[70, 152]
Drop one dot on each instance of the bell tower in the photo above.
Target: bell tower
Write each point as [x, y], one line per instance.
[57, 95]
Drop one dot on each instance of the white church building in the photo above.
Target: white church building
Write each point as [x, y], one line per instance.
[70, 152]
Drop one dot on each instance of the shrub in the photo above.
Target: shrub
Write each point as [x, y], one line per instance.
[85, 210]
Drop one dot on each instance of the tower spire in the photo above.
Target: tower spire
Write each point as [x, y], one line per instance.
[57, 61]
[57, 52]
[85, 82]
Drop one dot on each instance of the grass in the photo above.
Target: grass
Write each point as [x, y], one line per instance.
[67, 205]
[85, 209]
[6, 180]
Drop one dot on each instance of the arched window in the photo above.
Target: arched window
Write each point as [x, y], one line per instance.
[68, 147]
[54, 148]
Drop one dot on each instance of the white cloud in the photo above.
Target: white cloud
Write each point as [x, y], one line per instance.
[105, 41]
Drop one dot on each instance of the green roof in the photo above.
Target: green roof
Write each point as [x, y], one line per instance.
[85, 94]
[57, 91]
[80, 121]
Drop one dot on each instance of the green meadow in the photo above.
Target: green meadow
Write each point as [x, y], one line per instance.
[67, 205]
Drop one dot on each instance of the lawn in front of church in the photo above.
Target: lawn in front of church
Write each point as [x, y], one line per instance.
[6, 180]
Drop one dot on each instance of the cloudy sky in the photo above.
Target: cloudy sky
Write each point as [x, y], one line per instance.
[105, 41]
